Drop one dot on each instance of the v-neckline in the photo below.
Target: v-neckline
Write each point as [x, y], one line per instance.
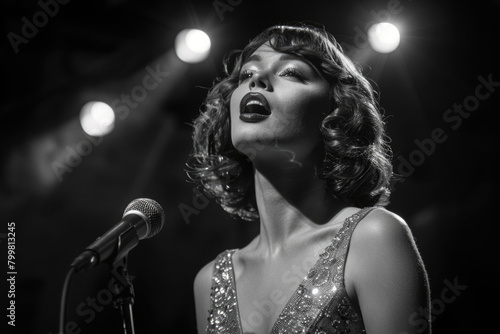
[346, 223]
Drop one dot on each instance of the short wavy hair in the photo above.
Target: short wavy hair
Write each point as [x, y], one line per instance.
[357, 159]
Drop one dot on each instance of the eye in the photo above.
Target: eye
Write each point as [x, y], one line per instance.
[292, 72]
[244, 75]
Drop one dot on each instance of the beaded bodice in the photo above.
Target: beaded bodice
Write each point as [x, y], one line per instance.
[320, 305]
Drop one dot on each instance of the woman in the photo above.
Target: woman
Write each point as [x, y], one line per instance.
[292, 137]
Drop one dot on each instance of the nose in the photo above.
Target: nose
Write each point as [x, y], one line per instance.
[260, 80]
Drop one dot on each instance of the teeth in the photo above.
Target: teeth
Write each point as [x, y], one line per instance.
[254, 102]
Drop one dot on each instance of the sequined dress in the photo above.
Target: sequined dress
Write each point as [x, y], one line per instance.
[320, 305]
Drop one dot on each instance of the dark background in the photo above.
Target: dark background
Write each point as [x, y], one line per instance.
[98, 50]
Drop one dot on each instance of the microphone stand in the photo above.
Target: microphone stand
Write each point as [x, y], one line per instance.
[123, 295]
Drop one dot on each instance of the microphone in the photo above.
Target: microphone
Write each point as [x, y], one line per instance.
[143, 218]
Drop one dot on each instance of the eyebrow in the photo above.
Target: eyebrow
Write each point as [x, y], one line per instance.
[285, 56]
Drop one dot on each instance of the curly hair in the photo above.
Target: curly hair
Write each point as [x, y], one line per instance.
[356, 165]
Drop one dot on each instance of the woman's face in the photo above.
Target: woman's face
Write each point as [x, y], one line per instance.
[278, 105]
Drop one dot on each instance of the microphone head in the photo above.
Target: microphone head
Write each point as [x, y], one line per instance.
[153, 212]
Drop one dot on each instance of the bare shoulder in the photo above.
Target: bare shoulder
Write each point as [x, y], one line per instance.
[202, 285]
[202, 281]
[383, 238]
[385, 273]
[381, 224]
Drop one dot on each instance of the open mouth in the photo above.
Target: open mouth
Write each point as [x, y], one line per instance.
[254, 107]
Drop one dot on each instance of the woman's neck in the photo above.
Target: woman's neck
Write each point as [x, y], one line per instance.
[290, 200]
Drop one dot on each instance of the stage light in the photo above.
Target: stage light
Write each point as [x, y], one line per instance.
[97, 118]
[192, 45]
[383, 37]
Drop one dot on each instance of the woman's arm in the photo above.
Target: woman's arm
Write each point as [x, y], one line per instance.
[387, 275]
[202, 285]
